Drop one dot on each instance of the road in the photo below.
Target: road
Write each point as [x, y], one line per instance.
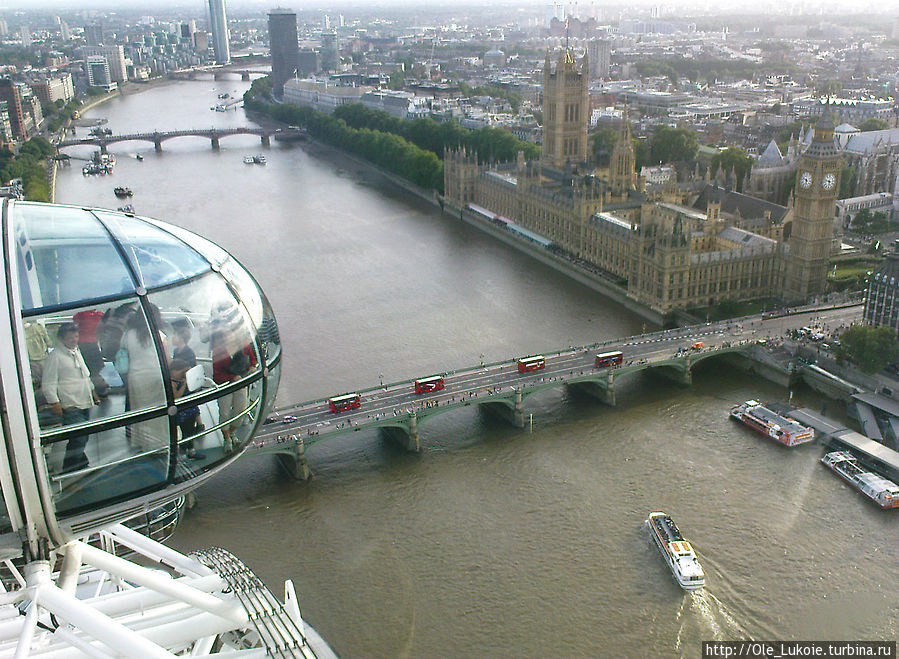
[476, 384]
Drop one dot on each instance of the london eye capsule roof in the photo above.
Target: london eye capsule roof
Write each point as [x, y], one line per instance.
[137, 358]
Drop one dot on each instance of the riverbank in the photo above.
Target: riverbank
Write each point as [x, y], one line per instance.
[54, 164]
[592, 281]
[129, 89]
[370, 173]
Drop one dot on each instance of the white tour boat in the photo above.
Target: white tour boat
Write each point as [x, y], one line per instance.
[677, 551]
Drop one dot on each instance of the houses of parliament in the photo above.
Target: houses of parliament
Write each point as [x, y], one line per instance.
[680, 245]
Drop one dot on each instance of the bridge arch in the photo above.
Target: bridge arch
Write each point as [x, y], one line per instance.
[158, 137]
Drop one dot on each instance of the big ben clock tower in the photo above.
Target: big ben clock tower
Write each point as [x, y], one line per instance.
[817, 186]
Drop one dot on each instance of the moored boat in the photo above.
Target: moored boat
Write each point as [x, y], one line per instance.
[883, 492]
[248, 160]
[123, 192]
[771, 424]
[677, 552]
[259, 159]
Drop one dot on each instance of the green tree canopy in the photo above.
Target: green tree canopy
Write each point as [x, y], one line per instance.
[871, 348]
[732, 158]
[642, 156]
[873, 124]
[412, 149]
[847, 179]
[673, 144]
[396, 81]
[602, 142]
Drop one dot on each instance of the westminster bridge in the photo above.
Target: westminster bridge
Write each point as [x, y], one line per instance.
[500, 388]
[158, 137]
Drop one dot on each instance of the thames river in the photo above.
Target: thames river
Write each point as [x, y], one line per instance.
[493, 541]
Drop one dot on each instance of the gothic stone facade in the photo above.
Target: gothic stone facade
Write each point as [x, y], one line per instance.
[671, 255]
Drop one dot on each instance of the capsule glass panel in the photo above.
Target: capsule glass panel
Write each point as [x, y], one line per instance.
[208, 249]
[87, 374]
[205, 325]
[163, 379]
[5, 523]
[157, 256]
[64, 256]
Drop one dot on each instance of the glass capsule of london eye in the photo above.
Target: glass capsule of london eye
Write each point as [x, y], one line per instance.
[137, 360]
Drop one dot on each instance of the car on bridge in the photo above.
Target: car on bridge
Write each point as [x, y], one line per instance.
[698, 345]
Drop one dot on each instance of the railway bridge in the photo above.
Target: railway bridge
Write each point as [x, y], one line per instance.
[214, 135]
[500, 387]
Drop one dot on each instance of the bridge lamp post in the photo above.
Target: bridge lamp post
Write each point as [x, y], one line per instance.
[381, 378]
[482, 359]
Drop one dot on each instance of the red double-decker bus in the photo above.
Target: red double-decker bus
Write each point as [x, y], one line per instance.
[534, 363]
[427, 385]
[604, 359]
[345, 402]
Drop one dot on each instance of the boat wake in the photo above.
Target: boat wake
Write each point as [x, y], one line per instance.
[703, 617]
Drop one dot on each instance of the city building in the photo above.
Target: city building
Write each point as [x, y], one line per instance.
[852, 110]
[201, 41]
[322, 95]
[494, 58]
[23, 108]
[880, 202]
[672, 245]
[773, 172]
[882, 296]
[308, 62]
[658, 175]
[599, 55]
[34, 114]
[114, 56]
[6, 137]
[815, 195]
[282, 35]
[397, 103]
[59, 87]
[218, 24]
[10, 93]
[330, 52]
[93, 34]
[188, 29]
[566, 106]
[873, 157]
[98, 73]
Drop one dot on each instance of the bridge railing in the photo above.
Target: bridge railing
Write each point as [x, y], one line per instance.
[687, 331]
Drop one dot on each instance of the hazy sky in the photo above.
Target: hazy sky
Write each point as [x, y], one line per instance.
[712, 7]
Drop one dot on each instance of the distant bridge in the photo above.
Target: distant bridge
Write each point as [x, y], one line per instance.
[158, 137]
[500, 388]
[218, 73]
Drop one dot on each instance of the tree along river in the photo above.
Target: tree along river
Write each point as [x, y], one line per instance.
[493, 541]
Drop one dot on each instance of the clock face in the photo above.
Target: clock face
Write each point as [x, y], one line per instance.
[805, 179]
[829, 181]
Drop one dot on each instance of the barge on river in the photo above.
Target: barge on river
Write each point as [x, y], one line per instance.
[883, 492]
[771, 424]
